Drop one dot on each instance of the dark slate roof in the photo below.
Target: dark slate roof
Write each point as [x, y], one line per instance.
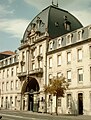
[52, 19]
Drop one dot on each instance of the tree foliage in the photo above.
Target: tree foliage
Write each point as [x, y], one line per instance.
[57, 87]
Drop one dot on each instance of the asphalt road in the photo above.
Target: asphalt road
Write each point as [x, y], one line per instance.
[21, 115]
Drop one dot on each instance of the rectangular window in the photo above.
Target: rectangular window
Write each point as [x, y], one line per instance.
[23, 56]
[90, 73]
[33, 66]
[11, 85]
[59, 60]
[16, 84]
[69, 76]
[79, 54]
[59, 102]
[7, 72]
[7, 86]
[50, 78]
[11, 61]
[33, 53]
[90, 52]
[17, 69]
[50, 62]
[12, 71]
[69, 101]
[40, 64]
[40, 49]
[15, 101]
[3, 76]
[2, 86]
[68, 57]
[80, 74]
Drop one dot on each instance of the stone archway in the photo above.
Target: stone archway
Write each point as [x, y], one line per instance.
[30, 92]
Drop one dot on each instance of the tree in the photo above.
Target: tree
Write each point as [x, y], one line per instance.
[57, 87]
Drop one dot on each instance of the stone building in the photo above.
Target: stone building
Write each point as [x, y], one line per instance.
[55, 43]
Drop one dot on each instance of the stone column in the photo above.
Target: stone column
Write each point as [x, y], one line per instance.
[26, 102]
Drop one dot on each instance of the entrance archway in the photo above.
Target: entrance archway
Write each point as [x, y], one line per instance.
[30, 92]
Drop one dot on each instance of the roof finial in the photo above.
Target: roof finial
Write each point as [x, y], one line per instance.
[56, 5]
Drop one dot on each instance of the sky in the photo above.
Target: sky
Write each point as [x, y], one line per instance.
[15, 15]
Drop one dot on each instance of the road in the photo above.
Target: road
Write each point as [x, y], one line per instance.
[21, 115]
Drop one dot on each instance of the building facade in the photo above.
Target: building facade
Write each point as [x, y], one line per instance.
[55, 43]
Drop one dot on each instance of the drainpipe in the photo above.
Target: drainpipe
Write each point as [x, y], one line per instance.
[46, 73]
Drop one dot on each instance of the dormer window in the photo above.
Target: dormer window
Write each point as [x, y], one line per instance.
[68, 39]
[50, 45]
[79, 35]
[59, 42]
[38, 21]
[67, 24]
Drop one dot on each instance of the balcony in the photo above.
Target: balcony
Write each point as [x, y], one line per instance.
[21, 74]
[36, 71]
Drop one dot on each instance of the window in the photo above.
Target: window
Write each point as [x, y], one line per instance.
[59, 74]
[68, 57]
[40, 49]
[50, 78]
[33, 53]
[23, 56]
[33, 66]
[79, 54]
[16, 84]
[68, 41]
[69, 76]
[59, 42]
[3, 74]
[50, 62]
[10, 60]
[2, 102]
[11, 102]
[69, 101]
[17, 69]
[2, 86]
[50, 45]
[11, 85]
[15, 59]
[80, 74]
[7, 86]
[7, 72]
[80, 35]
[15, 101]
[59, 102]
[40, 64]
[90, 73]
[12, 71]
[6, 62]
[90, 52]
[59, 60]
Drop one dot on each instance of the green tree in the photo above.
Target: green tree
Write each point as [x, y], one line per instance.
[57, 87]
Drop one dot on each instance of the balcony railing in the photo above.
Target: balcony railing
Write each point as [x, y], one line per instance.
[36, 71]
[21, 74]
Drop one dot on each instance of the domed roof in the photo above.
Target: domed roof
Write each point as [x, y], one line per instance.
[55, 21]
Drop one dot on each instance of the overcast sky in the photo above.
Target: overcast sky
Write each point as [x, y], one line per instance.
[15, 15]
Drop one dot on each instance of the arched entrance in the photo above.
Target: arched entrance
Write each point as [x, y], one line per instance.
[30, 92]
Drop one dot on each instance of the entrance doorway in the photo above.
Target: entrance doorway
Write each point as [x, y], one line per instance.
[30, 103]
[80, 103]
[31, 89]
